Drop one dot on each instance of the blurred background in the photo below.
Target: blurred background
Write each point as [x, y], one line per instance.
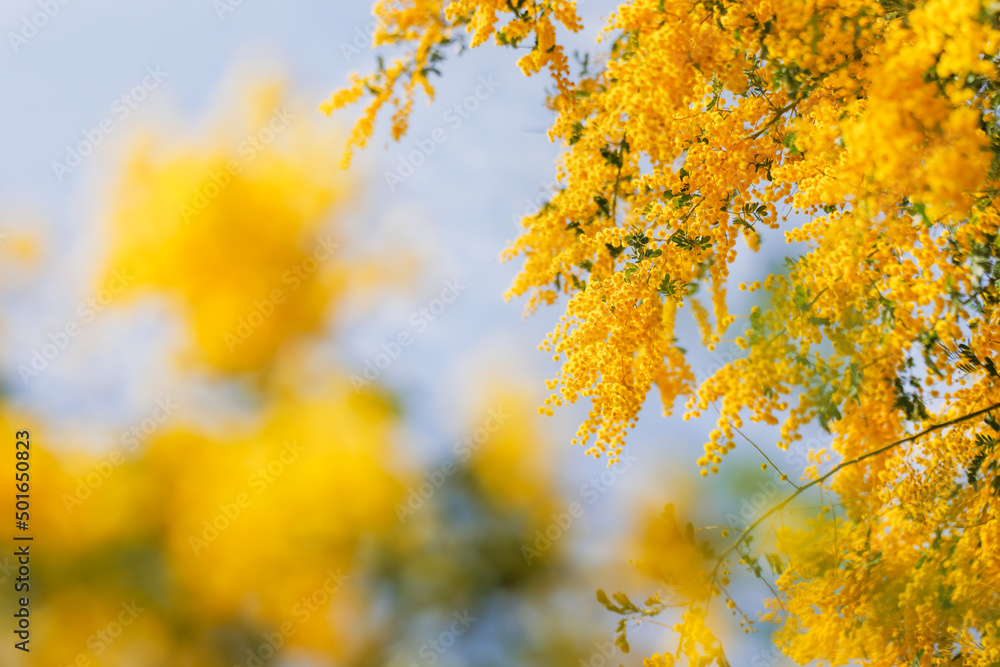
[280, 412]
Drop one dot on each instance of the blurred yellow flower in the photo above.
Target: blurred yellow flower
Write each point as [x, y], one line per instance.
[235, 230]
[672, 556]
[256, 528]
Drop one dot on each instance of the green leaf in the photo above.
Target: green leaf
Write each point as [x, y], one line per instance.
[613, 158]
[789, 143]
[801, 298]
[855, 379]
[920, 210]
[603, 205]
[625, 603]
[985, 445]
[911, 405]
[602, 598]
[668, 286]
[777, 566]
[991, 421]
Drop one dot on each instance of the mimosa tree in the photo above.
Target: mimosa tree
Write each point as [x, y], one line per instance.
[696, 123]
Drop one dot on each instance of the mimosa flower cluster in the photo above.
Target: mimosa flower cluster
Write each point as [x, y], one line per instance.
[693, 136]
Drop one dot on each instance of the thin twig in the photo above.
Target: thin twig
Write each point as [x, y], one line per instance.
[783, 475]
[819, 480]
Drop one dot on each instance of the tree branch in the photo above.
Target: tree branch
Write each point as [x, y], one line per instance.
[835, 470]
